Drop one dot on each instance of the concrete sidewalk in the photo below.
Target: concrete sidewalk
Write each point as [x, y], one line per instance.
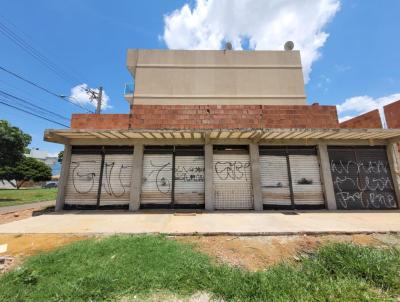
[266, 223]
[33, 205]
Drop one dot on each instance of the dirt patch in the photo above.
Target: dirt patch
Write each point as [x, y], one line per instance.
[21, 246]
[258, 252]
[23, 214]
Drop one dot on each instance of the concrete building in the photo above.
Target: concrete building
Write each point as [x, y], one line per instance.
[224, 130]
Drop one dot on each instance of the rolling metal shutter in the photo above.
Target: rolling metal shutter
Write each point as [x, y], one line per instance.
[189, 179]
[83, 179]
[362, 178]
[275, 180]
[306, 180]
[232, 181]
[116, 181]
[157, 179]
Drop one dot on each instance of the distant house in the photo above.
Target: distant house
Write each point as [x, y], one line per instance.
[45, 157]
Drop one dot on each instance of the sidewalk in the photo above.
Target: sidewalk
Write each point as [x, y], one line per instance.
[34, 205]
[265, 223]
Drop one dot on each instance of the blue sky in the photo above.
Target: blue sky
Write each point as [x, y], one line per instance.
[358, 65]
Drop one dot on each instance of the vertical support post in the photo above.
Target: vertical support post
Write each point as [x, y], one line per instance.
[208, 178]
[394, 164]
[327, 177]
[99, 100]
[136, 179]
[256, 176]
[62, 183]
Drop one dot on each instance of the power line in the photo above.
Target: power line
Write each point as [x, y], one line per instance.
[28, 48]
[7, 95]
[39, 116]
[63, 97]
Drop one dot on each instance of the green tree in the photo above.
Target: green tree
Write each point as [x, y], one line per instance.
[27, 169]
[60, 156]
[13, 142]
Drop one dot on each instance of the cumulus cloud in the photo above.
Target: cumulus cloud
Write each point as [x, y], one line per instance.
[81, 97]
[264, 25]
[361, 104]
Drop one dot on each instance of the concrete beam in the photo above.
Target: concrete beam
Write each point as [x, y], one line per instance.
[326, 176]
[208, 178]
[394, 163]
[62, 183]
[136, 179]
[256, 176]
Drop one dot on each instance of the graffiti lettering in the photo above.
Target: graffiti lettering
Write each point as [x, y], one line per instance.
[362, 185]
[234, 170]
[189, 174]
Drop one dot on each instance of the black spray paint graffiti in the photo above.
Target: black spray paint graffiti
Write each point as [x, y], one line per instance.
[84, 177]
[362, 184]
[111, 171]
[189, 174]
[235, 170]
[162, 175]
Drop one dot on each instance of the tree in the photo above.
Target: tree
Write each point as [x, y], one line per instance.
[27, 169]
[60, 156]
[13, 142]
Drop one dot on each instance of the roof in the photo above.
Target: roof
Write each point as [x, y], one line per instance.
[64, 136]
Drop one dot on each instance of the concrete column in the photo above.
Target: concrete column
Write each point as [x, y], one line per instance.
[327, 177]
[256, 176]
[62, 182]
[394, 163]
[208, 178]
[136, 180]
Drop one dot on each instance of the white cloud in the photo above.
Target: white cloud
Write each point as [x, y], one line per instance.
[345, 118]
[81, 97]
[361, 104]
[266, 25]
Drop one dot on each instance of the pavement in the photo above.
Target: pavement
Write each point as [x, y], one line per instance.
[34, 205]
[216, 223]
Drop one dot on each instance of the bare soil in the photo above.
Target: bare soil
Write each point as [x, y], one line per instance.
[259, 252]
[23, 214]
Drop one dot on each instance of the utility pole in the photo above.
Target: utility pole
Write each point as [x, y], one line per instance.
[99, 97]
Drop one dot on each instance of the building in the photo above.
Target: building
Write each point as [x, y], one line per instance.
[44, 157]
[224, 130]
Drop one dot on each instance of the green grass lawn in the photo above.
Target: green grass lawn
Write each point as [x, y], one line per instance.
[120, 267]
[22, 196]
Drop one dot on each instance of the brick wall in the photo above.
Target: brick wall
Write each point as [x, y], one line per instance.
[233, 116]
[212, 116]
[100, 121]
[370, 119]
[392, 114]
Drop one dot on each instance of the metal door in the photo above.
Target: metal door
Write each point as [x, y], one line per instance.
[83, 179]
[306, 181]
[189, 180]
[157, 179]
[362, 178]
[116, 179]
[275, 184]
[232, 180]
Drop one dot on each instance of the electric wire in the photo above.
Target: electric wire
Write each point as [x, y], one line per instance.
[7, 95]
[28, 112]
[63, 97]
[32, 51]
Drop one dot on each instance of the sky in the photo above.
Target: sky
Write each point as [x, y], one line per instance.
[349, 49]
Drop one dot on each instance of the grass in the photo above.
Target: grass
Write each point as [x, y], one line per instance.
[121, 267]
[22, 196]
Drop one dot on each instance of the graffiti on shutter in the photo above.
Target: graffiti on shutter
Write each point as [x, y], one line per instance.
[232, 181]
[83, 179]
[362, 178]
[306, 180]
[189, 180]
[274, 180]
[116, 181]
[157, 179]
